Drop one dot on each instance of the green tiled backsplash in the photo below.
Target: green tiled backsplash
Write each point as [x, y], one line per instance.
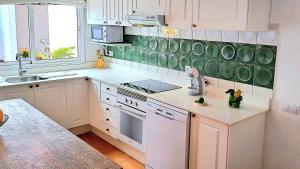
[243, 63]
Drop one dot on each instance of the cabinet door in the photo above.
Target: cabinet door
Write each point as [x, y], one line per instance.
[149, 7]
[96, 12]
[18, 92]
[95, 111]
[50, 98]
[208, 146]
[220, 14]
[126, 8]
[113, 12]
[179, 13]
[77, 103]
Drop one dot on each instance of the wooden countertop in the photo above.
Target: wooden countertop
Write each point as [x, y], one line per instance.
[30, 140]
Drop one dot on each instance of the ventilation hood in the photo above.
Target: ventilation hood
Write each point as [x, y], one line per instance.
[146, 20]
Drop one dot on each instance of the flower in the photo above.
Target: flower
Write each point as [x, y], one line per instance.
[24, 52]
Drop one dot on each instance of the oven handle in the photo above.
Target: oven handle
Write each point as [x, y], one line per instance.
[142, 117]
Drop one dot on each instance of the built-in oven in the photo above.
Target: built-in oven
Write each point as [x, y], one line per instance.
[132, 118]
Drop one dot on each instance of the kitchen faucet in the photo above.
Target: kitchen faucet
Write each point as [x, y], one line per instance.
[19, 58]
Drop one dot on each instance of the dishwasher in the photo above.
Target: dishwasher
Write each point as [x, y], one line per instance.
[166, 136]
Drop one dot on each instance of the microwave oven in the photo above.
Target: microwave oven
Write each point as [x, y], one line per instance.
[106, 34]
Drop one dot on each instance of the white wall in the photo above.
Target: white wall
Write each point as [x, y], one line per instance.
[282, 149]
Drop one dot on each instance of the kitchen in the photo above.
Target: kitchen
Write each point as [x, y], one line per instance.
[147, 78]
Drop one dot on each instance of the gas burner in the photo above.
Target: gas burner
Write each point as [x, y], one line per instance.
[150, 86]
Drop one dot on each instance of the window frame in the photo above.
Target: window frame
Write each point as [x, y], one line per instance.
[81, 47]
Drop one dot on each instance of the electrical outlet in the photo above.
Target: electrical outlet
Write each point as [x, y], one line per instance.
[110, 53]
[291, 109]
[187, 69]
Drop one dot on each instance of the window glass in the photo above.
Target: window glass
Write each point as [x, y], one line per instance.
[55, 29]
[14, 31]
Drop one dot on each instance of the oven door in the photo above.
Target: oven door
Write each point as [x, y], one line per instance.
[98, 33]
[132, 128]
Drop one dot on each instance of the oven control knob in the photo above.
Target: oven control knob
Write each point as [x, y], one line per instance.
[126, 100]
[131, 102]
[136, 104]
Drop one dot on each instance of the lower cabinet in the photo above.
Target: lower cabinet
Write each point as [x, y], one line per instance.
[215, 145]
[208, 144]
[95, 113]
[50, 98]
[77, 103]
[24, 92]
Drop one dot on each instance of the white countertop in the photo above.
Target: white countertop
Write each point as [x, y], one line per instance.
[216, 109]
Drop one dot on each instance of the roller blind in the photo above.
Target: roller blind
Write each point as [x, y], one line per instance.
[59, 2]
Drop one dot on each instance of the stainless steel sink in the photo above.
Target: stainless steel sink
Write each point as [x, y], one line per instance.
[21, 79]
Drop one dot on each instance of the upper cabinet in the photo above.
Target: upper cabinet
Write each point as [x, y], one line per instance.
[243, 15]
[113, 11]
[96, 12]
[149, 7]
[178, 13]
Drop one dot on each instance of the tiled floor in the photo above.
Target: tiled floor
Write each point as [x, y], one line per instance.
[111, 152]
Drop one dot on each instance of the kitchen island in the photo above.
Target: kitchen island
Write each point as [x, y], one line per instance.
[30, 139]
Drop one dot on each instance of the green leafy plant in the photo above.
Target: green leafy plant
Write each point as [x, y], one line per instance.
[65, 52]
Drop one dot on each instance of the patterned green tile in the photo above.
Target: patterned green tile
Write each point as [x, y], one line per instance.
[199, 63]
[136, 40]
[184, 61]
[212, 50]
[144, 55]
[145, 41]
[211, 68]
[127, 53]
[246, 53]
[163, 59]
[174, 45]
[198, 49]
[173, 62]
[263, 76]
[128, 39]
[228, 52]
[163, 44]
[185, 47]
[227, 70]
[244, 73]
[153, 58]
[153, 43]
[135, 54]
[265, 55]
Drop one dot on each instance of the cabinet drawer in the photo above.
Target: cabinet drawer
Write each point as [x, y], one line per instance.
[112, 121]
[108, 89]
[109, 99]
[109, 130]
[110, 110]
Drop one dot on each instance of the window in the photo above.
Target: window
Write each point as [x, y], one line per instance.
[43, 31]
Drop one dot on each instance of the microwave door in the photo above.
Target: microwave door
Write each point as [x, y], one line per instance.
[97, 33]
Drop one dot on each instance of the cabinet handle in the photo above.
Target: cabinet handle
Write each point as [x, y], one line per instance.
[37, 85]
[133, 11]
[194, 25]
[107, 99]
[107, 129]
[104, 22]
[193, 115]
[31, 86]
[108, 89]
[107, 119]
[167, 25]
[107, 109]
[87, 79]
[120, 23]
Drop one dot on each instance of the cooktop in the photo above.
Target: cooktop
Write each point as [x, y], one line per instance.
[151, 86]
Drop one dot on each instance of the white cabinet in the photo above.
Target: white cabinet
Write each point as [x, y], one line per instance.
[149, 7]
[208, 144]
[179, 13]
[215, 145]
[18, 92]
[95, 112]
[113, 11]
[50, 98]
[96, 12]
[250, 15]
[126, 9]
[77, 103]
